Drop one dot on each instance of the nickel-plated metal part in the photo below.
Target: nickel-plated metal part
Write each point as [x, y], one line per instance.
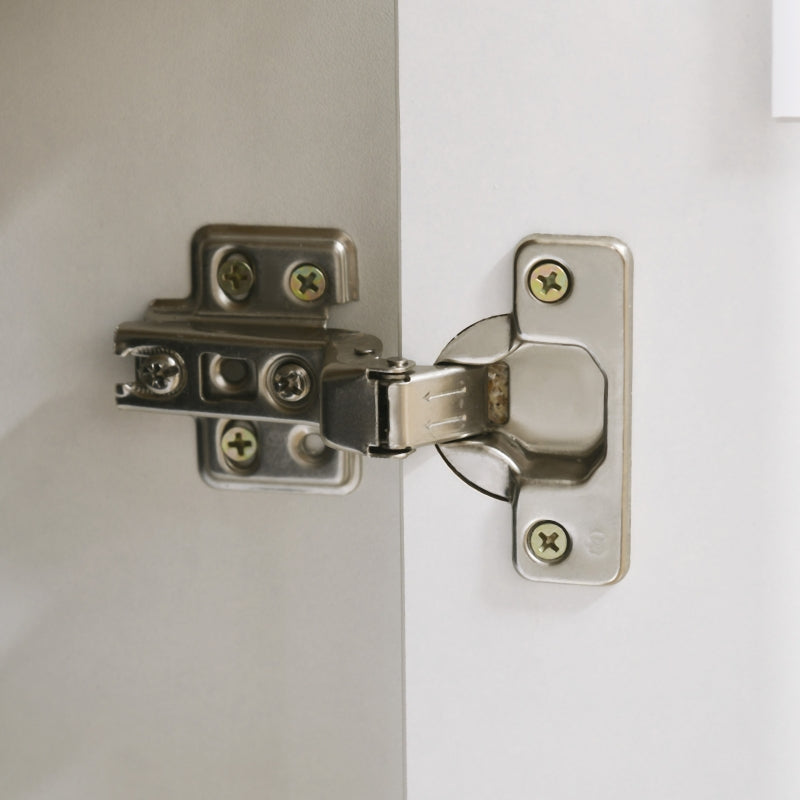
[374, 409]
[532, 407]
[229, 348]
[160, 373]
[565, 452]
[290, 381]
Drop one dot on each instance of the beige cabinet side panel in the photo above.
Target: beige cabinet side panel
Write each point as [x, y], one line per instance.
[159, 638]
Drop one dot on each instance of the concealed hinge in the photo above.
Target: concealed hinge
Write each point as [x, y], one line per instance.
[532, 407]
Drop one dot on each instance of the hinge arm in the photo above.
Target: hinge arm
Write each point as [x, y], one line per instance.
[391, 407]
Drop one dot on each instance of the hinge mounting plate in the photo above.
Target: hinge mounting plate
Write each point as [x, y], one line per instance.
[564, 455]
[233, 344]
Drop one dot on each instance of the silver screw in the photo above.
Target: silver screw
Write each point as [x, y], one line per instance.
[291, 382]
[307, 282]
[161, 374]
[236, 277]
[548, 542]
[239, 446]
[549, 282]
[397, 365]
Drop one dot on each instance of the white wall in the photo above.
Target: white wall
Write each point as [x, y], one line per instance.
[651, 122]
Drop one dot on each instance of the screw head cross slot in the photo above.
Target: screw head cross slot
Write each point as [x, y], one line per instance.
[548, 542]
[291, 382]
[236, 277]
[549, 282]
[307, 282]
[239, 446]
[161, 374]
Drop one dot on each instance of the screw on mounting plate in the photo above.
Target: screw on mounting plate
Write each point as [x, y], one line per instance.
[290, 382]
[307, 282]
[239, 445]
[161, 373]
[548, 542]
[549, 282]
[235, 277]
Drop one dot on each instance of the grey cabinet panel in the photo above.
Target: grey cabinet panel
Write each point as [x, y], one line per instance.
[159, 638]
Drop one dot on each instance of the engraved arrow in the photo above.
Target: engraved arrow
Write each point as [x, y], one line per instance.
[449, 421]
[428, 396]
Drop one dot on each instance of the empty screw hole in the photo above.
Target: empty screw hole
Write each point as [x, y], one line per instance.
[233, 370]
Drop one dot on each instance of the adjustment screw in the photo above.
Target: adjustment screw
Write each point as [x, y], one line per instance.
[235, 277]
[161, 373]
[307, 282]
[397, 365]
[549, 282]
[291, 382]
[548, 542]
[239, 446]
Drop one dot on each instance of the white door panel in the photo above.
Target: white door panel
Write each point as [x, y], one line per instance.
[159, 638]
[650, 122]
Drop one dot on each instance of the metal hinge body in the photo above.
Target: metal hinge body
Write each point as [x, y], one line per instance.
[532, 407]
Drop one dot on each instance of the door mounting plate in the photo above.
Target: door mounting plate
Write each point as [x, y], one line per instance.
[570, 476]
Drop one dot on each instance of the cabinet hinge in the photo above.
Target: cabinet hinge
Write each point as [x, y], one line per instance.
[532, 407]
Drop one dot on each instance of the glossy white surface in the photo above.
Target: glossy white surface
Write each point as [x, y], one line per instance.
[785, 58]
[159, 639]
[650, 122]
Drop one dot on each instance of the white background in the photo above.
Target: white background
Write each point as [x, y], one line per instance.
[651, 122]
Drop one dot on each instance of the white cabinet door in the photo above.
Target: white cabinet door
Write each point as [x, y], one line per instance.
[650, 122]
[159, 638]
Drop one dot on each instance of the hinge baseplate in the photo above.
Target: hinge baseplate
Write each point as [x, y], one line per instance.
[245, 325]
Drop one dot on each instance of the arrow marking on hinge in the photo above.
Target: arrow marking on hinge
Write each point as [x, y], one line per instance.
[449, 421]
[428, 396]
